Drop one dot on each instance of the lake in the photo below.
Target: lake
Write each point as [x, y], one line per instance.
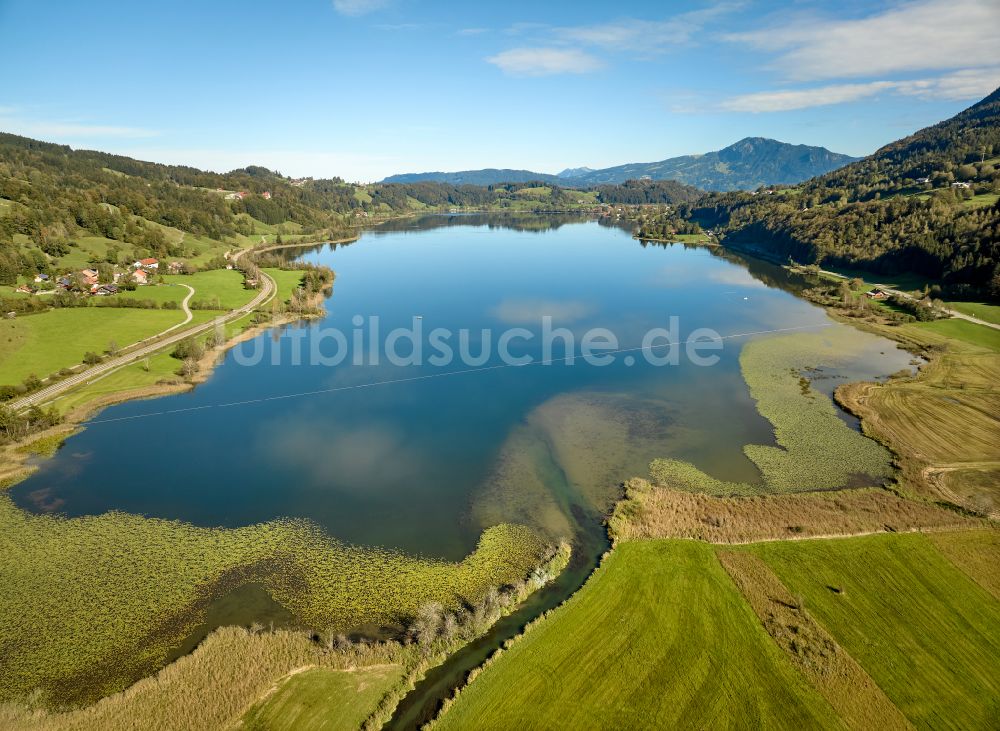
[422, 457]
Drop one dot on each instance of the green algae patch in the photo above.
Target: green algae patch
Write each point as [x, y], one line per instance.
[816, 450]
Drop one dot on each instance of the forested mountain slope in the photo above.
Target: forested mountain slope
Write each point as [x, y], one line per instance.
[926, 203]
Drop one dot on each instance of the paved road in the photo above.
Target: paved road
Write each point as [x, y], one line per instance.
[905, 295]
[267, 291]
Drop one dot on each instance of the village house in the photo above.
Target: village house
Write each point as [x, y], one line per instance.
[923, 180]
[175, 267]
[140, 276]
[146, 264]
[25, 289]
[266, 195]
[965, 186]
[876, 294]
[106, 289]
[41, 278]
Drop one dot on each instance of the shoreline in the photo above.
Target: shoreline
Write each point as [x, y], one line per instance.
[17, 456]
[216, 356]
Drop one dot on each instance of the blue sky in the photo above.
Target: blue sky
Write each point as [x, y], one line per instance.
[367, 88]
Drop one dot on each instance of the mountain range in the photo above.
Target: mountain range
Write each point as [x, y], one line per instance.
[744, 165]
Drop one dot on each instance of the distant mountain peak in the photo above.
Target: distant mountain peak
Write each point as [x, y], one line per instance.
[574, 172]
[744, 165]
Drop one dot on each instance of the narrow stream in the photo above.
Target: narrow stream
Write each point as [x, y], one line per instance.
[421, 705]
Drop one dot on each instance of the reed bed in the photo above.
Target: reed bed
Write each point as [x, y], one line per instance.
[651, 511]
[213, 687]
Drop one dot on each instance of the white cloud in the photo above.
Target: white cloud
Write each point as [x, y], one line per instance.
[956, 86]
[967, 84]
[545, 61]
[10, 121]
[358, 7]
[789, 99]
[645, 36]
[471, 31]
[559, 49]
[911, 36]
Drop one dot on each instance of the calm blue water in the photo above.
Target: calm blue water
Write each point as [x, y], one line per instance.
[399, 464]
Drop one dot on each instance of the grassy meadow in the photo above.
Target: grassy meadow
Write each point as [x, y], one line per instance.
[981, 310]
[287, 281]
[967, 332]
[324, 699]
[221, 288]
[48, 341]
[659, 637]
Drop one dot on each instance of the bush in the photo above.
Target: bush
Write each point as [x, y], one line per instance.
[189, 349]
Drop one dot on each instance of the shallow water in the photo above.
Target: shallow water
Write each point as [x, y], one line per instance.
[423, 465]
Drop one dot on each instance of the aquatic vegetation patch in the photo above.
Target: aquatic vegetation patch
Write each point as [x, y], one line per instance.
[93, 603]
[572, 451]
[815, 449]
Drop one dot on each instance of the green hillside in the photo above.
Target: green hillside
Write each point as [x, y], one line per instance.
[923, 204]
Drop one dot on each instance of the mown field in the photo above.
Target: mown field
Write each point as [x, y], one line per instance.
[923, 630]
[944, 423]
[662, 637]
[658, 638]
